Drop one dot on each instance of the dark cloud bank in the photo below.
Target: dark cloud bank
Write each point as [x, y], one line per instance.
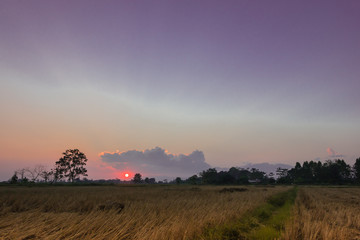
[157, 162]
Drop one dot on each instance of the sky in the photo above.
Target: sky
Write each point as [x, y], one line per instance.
[172, 87]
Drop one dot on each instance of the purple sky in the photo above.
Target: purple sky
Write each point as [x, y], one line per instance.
[241, 81]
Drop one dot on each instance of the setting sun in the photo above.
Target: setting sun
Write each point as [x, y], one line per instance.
[126, 175]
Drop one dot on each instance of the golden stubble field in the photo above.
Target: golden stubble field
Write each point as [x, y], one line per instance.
[168, 212]
[322, 213]
[123, 211]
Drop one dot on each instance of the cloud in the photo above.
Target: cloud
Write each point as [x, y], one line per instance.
[156, 162]
[332, 153]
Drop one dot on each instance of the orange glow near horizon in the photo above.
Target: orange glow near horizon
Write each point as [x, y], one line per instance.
[125, 175]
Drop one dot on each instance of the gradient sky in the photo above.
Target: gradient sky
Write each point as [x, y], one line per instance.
[241, 81]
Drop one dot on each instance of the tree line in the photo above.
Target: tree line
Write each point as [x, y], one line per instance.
[331, 172]
[233, 176]
[310, 172]
[72, 165]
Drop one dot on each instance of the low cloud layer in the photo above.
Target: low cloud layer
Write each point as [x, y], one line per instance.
[156, 162]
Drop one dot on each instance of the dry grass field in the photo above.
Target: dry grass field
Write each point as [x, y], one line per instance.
[124, 211]
[323, 213]
[172, 212]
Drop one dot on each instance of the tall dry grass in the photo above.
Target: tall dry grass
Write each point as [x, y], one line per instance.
[325, 213]
[150, 212]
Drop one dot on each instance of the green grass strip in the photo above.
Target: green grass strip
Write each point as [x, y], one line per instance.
[265, 222]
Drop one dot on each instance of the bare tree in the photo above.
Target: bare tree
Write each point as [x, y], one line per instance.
[36, 172]
[46, 175]
[33, 174]
[23, 174]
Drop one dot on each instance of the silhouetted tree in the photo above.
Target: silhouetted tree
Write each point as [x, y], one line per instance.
[233, 176]
[25, 180]
[46, 175]
[284, 176]
[178, 180]
[149, 180]
[240, 175]
[56, 175]
[35, 173]
[71, 165]
[14, 179]
[336, 172]
[310, 172]
[331, 172]
[209, 176]
[357, 169]
[224, 177]
[193, 179]
[256, 174]
[137, 178]
[22, 174]
[270, 178]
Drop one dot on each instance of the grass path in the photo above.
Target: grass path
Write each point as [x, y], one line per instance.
[265, 222]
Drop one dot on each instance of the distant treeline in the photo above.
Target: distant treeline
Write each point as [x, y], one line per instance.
[330, 172]
[234, 176]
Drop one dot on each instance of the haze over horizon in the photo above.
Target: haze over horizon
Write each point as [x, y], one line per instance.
[211, 83]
